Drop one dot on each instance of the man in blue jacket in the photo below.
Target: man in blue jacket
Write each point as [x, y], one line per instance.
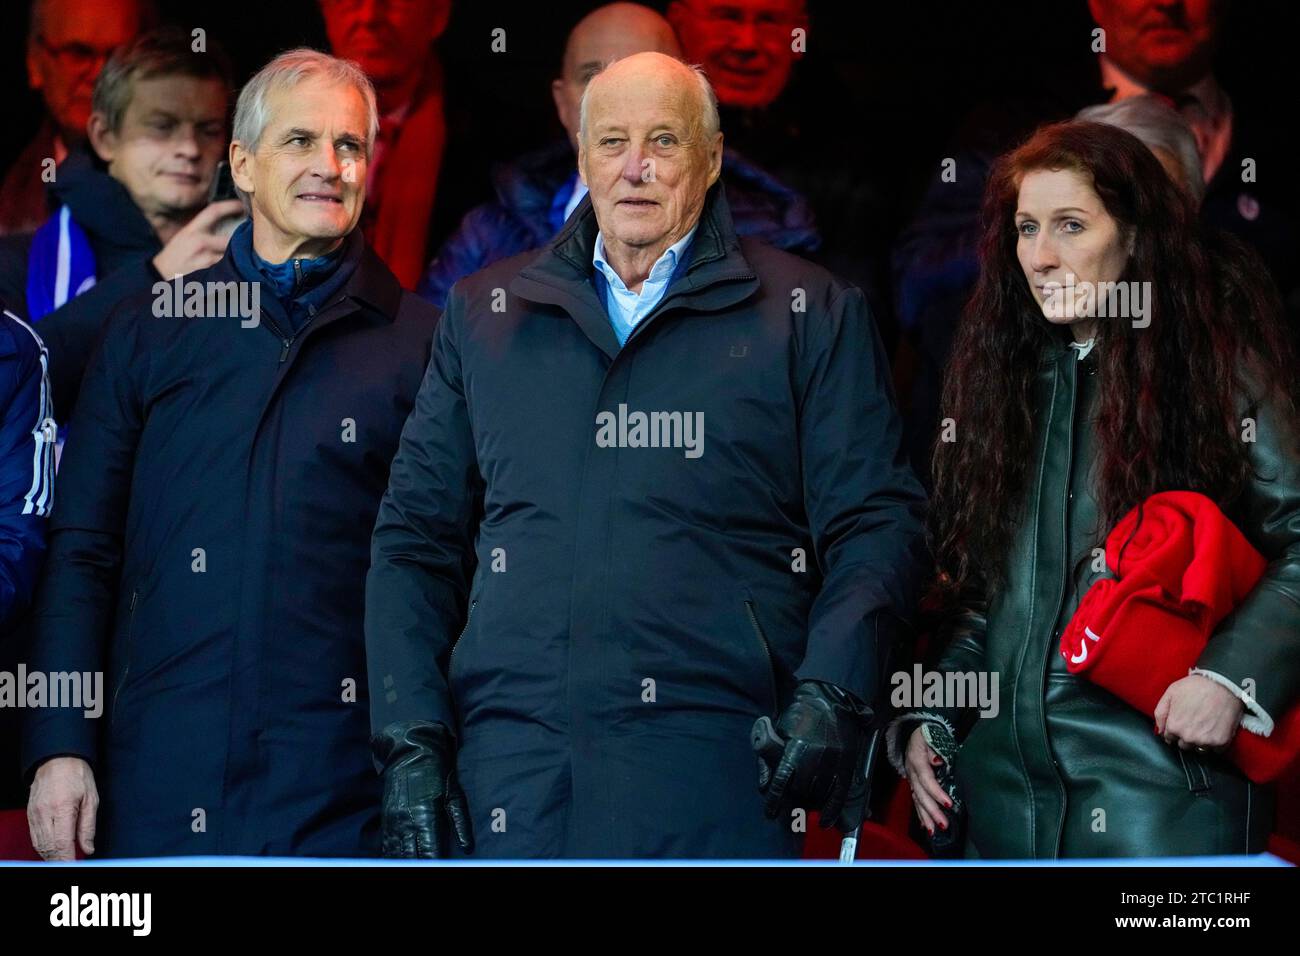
[26, 496]
[26, 464]
[653, 479]
[537, 192]
[209, 547]
[131, 205]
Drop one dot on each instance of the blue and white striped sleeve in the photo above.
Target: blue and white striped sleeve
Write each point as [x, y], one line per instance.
[27, 439]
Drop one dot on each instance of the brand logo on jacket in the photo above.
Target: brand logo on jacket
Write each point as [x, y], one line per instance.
[1082, 656]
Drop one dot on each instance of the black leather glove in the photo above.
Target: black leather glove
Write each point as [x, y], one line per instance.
[422, 799]
[815, 755]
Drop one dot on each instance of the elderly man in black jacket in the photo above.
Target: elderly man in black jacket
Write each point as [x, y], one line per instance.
[209, 544]
[653, 480]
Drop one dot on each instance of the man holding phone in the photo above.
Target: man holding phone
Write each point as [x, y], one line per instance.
[133, 209]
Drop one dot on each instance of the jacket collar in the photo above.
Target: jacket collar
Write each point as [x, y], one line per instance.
[101, 205]
[371, 284]
[1057, 353]
[718, 277]
[374, 284]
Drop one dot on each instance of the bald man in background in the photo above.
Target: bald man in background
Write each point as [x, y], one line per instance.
[538, 192]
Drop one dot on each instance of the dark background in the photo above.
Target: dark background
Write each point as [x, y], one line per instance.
[888, 83]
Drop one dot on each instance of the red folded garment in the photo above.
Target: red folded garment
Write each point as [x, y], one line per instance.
[1178, 573]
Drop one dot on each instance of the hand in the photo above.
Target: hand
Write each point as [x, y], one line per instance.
[1197, 713]
[197, 245]
[825, 733]
[422, 796]
[920, 761]
[61, 808]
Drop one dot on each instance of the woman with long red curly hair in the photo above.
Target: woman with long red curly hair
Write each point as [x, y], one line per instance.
[1110, 351]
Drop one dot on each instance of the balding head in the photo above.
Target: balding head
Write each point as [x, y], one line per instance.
[649, 149]
[608, 33]
[656, 76]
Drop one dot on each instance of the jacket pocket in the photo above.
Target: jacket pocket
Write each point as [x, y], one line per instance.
[455, 648]
[765, 655]
[126, 654]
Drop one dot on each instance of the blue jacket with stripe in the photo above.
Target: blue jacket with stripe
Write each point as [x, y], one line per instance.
[26, 463]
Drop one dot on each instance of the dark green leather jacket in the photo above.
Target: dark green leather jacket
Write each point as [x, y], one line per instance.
[1066, 769]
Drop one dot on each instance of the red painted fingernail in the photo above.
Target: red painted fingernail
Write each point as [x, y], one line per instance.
[931, 829]
[948, 804]
[943, 825]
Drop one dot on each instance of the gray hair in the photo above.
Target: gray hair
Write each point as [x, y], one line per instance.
[1156, 124]
[167, 51]
[288, 70]
[712, 124]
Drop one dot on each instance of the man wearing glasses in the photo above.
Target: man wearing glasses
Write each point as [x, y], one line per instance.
[68, 42]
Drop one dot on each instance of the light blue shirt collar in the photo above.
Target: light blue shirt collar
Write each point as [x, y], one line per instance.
[625, 307]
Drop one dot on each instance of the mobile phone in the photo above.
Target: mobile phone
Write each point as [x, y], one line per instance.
[223, 188]
[223, 184]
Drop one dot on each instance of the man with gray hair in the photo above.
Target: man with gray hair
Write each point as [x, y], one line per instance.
[1163, 130]
[209, 543]
[653, 480]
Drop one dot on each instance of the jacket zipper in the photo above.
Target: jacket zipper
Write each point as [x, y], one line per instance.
[286, 342]
[767, 653]
[130, 637]
[1060, 602]
[455, 647]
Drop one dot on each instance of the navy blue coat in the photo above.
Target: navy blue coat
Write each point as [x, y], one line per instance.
[227, 681]
[635, 609]
[26, 465]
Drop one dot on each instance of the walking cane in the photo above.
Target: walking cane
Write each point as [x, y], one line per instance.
[766, 742]
[893, 648]
[849, 845]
